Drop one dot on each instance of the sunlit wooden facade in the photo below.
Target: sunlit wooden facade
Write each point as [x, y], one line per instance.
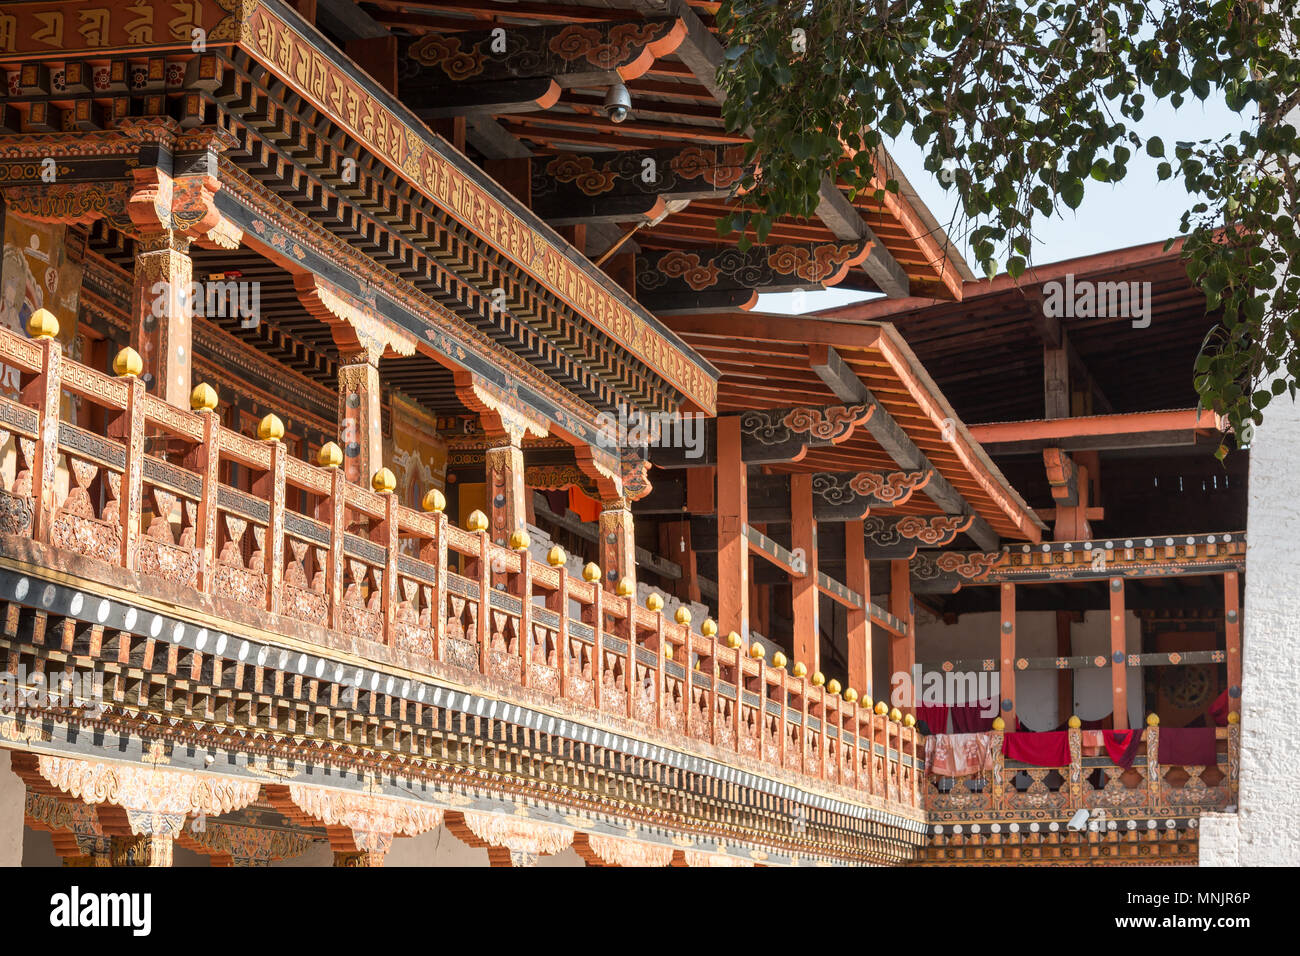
[325, 327]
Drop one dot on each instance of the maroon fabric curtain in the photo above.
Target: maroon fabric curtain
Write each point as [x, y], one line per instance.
[1051, 749]
[970, 719]
[1188, 746]
[1122, 745]
[935, 717]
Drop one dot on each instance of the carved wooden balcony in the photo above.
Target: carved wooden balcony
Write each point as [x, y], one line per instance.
[300, 552]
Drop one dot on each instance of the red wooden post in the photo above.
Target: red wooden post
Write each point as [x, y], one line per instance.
[271, 486]
[1007, 673]
[334, 558]
[484, 600]
[560, 604]
[130, 428]
[1118, 655]
[598, 642]
[208, 463]
[435, 553]
[385, 533]
[1232, 634]
[524, 591]
[804, 596]
[733, 515]
[902, 648]
[858, 579]
[43, 393]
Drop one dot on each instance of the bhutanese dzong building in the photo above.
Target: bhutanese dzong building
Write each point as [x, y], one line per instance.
[314, 548]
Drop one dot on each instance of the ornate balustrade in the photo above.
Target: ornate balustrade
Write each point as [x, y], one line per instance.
[1148, 790]
[173, 495]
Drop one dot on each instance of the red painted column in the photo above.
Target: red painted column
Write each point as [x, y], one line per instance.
[803, 590]
[902, 650]
[858, 578]
[1118, 655]
[733, 515]
[1007, 672]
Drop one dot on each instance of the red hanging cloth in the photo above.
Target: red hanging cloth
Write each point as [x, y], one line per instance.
[1187, 747]
[1051, 749]
[1121, 746]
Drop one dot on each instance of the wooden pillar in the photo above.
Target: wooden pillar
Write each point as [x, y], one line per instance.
[675, 545]
[44, 391]
[733, 547]
[161, 314]
[858, 578]
[1118, 655]
[507, 510]
[515, 174]
[1232, 633]
[617, 542]
[1064, 676]
[306, 7]
[803, 590]
[902, 650]
[1007, 657]
[1056, 383]
[359, 416]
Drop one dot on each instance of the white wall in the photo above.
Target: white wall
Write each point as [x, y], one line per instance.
[1264, 832]
[975, 636]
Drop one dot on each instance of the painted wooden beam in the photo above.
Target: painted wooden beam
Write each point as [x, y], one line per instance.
[575, 55]
[769, 436]
[673, 278]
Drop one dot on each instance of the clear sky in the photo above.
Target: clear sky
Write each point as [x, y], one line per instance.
[1140, 209]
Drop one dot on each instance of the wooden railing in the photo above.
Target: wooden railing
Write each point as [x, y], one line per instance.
[1147, 789]
[154, 495]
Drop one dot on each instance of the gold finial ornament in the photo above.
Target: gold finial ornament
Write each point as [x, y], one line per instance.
[881, 708]
[43, 325]
[127, 363]
[909, 721]
[1234, 717]
[800, 669]
[850, 695]
[330, 455]
[383, 481]
[519, 540]
[999, 724]
[1153, 720]
[818, 679]
[668, 651]
[203, 398]
[709, 628]
[653, 601]
[556, 556]
[895, 714]
[591, 572]
[733, 639]
[756, 651]
[833, 687]
[1074, 722]
[682, 615]
[271, 428]
[477, 521]
[434, 501]
[625, 588]
[778, 659]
